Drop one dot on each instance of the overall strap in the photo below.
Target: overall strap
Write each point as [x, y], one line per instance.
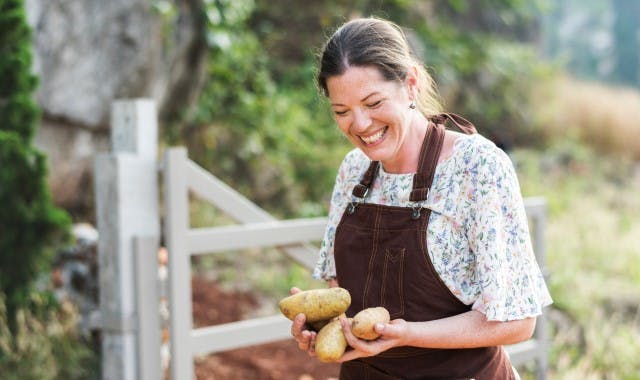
[463, 124]
[361, 189]
[429, 154]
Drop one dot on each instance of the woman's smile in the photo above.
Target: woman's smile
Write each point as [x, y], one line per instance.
[375, 138]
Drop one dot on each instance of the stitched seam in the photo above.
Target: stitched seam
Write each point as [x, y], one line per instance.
[383, 293]
[401, 281]
[374, 252]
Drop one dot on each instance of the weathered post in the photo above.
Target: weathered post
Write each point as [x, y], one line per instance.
[126, 188]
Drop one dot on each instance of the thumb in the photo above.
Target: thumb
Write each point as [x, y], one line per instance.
[391, 330]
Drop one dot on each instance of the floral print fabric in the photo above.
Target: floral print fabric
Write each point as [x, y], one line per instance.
[477, 238]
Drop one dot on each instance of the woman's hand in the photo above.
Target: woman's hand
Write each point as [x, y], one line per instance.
[306, 339]
[392, 334]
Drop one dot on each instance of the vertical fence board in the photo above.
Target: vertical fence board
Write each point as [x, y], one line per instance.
[147, 304]
[177, 226]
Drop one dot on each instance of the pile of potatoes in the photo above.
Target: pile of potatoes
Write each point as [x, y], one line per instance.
[323, 308]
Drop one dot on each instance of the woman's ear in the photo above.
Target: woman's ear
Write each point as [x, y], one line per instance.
[411, 81]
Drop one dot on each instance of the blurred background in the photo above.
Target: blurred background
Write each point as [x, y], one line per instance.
[554, 83]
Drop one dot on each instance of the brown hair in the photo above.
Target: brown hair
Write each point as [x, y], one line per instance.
[381, 44]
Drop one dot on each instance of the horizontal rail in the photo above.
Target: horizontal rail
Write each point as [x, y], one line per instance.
[207, 186]
[535, 206]
[217, 239]
[524, 352]
[234, 335]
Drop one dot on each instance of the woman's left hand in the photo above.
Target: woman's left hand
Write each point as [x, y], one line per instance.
[392, 334]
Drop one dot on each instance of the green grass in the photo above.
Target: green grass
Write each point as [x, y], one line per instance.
[593, 255]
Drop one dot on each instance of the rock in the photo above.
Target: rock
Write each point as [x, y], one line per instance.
[87, 53]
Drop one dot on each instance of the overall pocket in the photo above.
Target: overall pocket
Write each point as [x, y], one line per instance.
[392, 295]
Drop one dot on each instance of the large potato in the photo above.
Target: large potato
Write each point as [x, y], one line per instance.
[317, 326]
[330, 342]
[316, 304]
[364, 322]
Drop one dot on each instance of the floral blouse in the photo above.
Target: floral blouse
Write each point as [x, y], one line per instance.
[478, 236]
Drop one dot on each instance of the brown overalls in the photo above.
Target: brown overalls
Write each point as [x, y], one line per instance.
[381, 258]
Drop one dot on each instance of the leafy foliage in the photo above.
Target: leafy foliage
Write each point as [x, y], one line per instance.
[44, 343]
[31, 226]
[271, 142]
[18, 112]
[261, 126]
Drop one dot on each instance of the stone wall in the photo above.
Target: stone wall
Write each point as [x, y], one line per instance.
[88, 53]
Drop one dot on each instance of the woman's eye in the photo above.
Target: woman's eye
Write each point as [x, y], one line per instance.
[374, 104]
[340, 113]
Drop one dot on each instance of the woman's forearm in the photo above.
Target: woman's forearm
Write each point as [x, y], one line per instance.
[468, 330]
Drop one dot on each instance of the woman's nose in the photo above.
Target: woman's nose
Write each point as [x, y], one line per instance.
[361, 120]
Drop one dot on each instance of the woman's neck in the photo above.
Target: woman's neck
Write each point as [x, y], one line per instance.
[408, 155]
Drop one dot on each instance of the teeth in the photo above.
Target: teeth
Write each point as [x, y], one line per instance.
[373, 138]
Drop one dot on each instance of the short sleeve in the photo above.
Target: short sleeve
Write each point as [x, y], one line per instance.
[348, 174]
[510, 283]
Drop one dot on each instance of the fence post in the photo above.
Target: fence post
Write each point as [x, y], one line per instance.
[126, 190]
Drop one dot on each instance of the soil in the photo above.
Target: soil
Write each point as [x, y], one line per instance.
[274, 361]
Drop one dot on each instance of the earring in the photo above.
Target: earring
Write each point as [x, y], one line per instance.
[412, 105]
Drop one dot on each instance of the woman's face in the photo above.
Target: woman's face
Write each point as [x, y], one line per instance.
[374, 114]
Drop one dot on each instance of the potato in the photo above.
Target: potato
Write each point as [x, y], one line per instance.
[364, 322]
[317, 326]
[316, 304]
[330, 342]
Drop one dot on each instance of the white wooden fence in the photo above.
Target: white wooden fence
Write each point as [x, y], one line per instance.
[140, 327]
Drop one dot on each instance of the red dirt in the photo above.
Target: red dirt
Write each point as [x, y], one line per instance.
[274, 361]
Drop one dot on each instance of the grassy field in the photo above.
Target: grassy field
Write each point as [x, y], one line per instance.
[593, 256]
[590, 176]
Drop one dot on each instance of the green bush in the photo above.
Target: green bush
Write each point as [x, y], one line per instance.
[31, 226]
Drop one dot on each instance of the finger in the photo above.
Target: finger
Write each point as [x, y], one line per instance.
[352, 340]
[394, 329]
[298, 325]
[294, 290]
[304, 340]
[312, 344]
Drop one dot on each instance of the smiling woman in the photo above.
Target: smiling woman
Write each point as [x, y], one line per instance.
[426, 222]
[372, 113]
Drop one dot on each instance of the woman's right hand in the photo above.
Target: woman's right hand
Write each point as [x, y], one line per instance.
[306, 338]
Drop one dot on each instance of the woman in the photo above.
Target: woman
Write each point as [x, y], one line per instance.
[424, 221]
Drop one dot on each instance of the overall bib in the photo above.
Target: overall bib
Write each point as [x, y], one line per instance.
[382, 259]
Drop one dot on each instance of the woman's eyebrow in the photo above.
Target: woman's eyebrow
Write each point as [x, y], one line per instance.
[362, 100]
[368, 96]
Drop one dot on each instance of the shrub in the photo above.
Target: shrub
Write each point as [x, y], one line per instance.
[31, 226]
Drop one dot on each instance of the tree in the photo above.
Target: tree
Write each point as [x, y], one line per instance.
[31, 226]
